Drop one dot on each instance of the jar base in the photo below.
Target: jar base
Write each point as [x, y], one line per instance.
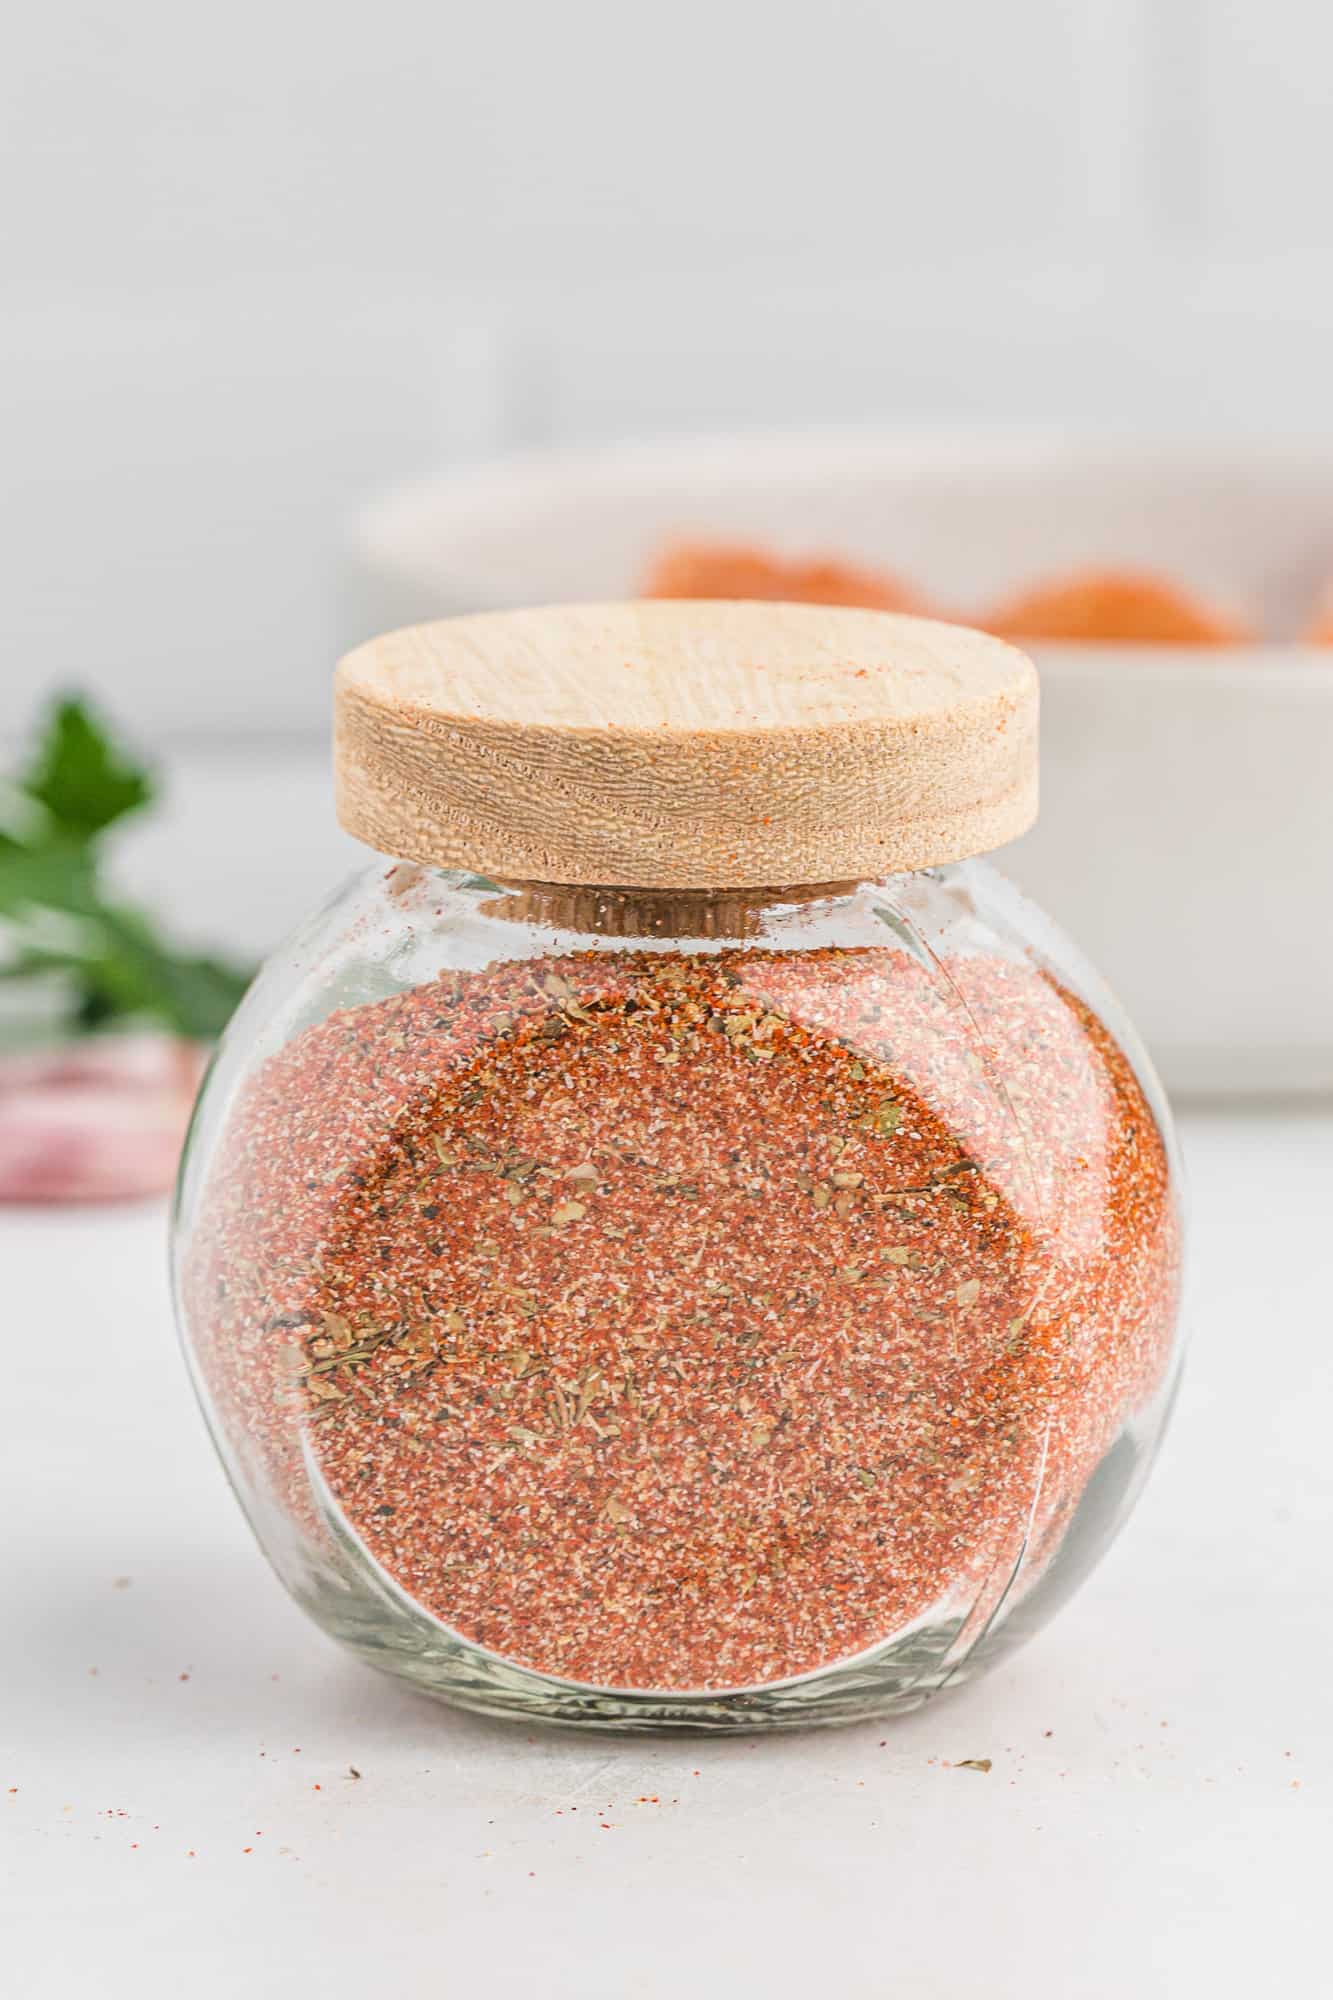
[358, 1603]
[395, 1637]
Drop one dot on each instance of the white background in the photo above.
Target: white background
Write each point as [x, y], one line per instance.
[259, 260]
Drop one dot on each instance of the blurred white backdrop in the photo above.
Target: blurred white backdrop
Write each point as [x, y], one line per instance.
[262, 260]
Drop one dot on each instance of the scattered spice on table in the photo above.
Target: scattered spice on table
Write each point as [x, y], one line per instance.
[692, 1321]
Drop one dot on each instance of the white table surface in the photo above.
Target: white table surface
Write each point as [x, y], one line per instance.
[177, 1813]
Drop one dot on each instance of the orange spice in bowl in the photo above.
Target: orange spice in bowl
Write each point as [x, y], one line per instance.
[739, 571]
[1320, 632]
[1124, 607]
[1089, 606]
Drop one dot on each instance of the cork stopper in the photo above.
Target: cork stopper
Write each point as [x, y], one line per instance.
[675, 745]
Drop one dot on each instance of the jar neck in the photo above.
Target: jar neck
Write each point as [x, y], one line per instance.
[654, 913]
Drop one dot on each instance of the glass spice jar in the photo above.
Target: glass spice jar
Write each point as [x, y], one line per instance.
[685, 1302]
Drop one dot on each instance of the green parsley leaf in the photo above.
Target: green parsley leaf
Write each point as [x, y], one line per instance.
[85, 781]
[60, 875]
[136, 972]
[55, 913]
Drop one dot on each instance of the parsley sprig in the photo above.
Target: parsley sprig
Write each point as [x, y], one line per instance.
[57, 914]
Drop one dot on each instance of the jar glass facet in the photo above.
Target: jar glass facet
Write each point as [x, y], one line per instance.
[702, 1309]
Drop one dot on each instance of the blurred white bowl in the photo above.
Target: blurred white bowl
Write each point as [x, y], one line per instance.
[1186, 837]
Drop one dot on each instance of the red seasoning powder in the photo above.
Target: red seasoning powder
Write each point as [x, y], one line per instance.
[666, 1321]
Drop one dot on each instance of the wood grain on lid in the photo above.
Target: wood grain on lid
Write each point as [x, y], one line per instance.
[682, 745]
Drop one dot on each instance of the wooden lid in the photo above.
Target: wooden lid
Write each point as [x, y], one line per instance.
[684, 745]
